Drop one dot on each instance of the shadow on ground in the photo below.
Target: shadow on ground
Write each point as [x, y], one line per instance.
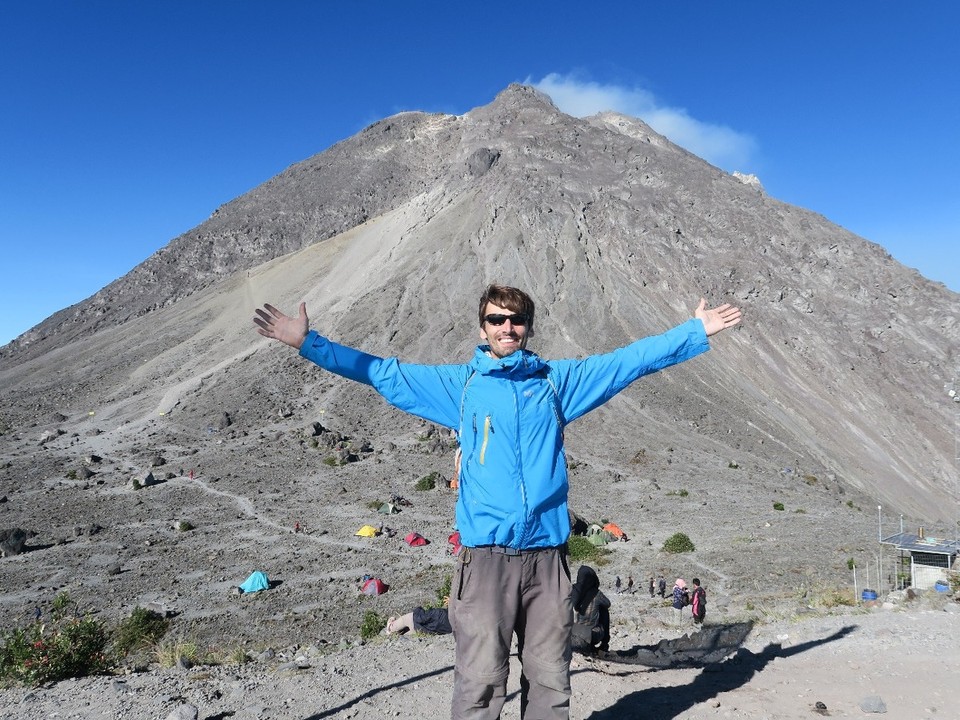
[717, 649]
[717, 677]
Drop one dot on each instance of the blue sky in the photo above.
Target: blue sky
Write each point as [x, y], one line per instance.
[124, 124]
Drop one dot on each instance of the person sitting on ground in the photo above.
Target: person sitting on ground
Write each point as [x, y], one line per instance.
[591, 613]
[433, 621]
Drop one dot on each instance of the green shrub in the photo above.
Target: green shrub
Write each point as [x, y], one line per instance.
[68, 648]
[444, 592]
[185, 526]
[778, 506]
[678, 543]
[330, 460]
[733, 466]
[427, 482]
[372, 625]
[581, 550]
[681, 493]
[141, 630]
[851, 564]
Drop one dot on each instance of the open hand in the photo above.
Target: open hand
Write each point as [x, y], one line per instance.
[274, 324]
[718, 318]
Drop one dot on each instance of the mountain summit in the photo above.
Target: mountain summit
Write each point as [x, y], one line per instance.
[839, 366]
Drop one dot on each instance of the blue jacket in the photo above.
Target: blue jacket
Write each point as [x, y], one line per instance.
[509, 414]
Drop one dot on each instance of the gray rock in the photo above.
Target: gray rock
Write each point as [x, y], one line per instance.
[14, 540]
[184, 712]
[873, 704]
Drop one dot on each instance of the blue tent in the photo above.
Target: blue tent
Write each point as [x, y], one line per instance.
[256, 582]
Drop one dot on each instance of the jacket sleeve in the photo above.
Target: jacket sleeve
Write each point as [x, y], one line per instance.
[432, 392]
[586, 384]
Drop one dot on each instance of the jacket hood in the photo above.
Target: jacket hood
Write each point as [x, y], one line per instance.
[522, 363]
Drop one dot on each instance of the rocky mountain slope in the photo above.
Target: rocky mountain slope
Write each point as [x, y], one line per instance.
[827, 400]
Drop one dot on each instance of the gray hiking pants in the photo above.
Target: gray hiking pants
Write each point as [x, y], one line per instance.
[493, 596]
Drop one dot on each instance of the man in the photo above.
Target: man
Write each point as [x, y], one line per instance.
[509, 408]
[698, 602]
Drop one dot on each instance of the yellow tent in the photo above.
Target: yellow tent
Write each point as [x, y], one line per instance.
[368, 531]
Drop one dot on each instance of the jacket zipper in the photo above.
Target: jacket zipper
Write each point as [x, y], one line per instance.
[487, 430]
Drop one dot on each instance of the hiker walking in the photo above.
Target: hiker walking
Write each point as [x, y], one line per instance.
[651, 586]
[511, 577]
[616, 585]
[630, 584]
[661, 586]
[698, 602]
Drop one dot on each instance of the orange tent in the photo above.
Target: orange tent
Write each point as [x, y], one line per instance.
[615, 530]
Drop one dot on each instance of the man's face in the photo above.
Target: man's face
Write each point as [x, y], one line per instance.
[506, 338]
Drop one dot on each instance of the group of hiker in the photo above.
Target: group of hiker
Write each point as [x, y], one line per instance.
[509, 408]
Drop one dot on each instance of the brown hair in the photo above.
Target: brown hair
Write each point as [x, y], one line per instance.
[507, 297]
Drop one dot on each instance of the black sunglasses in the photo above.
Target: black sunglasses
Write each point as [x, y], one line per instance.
[497, 319]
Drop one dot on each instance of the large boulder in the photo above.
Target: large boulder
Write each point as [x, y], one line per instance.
[13, 541]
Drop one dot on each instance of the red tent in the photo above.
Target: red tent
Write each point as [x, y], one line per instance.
[415, 539]
[375, 586]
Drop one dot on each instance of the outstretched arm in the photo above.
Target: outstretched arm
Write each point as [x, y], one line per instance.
[718, 318]
[275, 325]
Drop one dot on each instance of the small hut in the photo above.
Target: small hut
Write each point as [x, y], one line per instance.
[930, 558]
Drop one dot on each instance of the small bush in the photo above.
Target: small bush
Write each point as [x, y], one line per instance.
[237, 656]
[831, 598]
[581, 550]
[330, 460]
[733, 466]
[427, 482]
[185, 526]
[851, 564]
[443, 593]
[174, 652]
[680, 493]
[69, 647]
[372, 625]
[778, 506]
[141, 630]
[678, 543]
